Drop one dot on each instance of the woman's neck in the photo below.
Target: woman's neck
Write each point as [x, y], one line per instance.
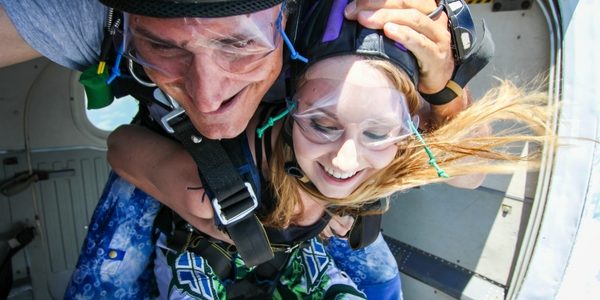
[313, 209]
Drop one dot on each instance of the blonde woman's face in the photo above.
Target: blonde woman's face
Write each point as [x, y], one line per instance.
[345, 132]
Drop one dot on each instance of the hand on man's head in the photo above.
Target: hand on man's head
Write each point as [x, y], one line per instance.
[406, 22]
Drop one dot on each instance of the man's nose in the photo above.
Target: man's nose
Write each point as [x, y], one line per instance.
[346, 158]
[206, 84]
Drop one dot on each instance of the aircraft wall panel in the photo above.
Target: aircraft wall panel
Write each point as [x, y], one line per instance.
[467, 227]
[66, 204]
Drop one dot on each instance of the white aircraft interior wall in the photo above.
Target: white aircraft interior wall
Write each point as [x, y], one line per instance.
[45, 100]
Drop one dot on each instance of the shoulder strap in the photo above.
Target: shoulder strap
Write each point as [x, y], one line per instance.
[366, 227]
[233, 200]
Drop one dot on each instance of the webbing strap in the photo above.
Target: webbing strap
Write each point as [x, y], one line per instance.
[233, 199]
[251, 241]
[364, 231]
[366, 227]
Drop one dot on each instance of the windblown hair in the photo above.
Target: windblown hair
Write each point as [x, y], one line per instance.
[463, 146]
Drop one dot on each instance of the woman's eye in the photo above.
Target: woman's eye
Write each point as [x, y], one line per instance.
[376, 135]
[322, 127]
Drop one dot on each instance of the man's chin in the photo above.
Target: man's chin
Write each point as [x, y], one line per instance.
[220, 131]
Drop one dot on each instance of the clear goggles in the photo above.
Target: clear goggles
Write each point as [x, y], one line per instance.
[377, 117]
[236, 44]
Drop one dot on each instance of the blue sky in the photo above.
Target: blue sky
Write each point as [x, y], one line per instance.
[121, 111]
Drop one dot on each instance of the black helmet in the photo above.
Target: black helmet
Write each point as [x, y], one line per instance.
[190, 8]
[324, 32]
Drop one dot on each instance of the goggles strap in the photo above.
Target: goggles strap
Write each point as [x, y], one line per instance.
[432, 161]
[115, 71]
[293, 53]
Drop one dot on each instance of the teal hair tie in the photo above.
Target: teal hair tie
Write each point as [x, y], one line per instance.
[432, 161]
[271, 121]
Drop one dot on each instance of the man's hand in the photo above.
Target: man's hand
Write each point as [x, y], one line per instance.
[406, 22]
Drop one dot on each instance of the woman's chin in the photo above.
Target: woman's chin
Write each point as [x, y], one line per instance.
[336, 194]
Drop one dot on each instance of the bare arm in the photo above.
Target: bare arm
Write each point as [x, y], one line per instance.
[163, 169]
[14, 49]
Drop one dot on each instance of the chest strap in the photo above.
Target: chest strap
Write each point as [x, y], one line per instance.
[233, 200]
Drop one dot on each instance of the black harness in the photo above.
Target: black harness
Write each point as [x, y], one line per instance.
[235, 190]
[229, 170]
[239, 196]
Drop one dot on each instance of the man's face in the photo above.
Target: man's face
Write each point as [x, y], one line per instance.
[217, 69]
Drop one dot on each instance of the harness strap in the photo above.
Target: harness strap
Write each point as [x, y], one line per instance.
[233, 200]
[258, 285]
[365, 228]
[218, 257]
[262, 284]
[364, 231]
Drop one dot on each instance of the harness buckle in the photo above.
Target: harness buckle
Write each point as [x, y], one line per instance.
[222, 214]
[292, 248]
[175, 114]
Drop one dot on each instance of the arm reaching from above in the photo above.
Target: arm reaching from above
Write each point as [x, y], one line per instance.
[406, 22]
[14, 49]
[163, 169]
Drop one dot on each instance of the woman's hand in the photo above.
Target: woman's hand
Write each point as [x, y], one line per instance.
[338, 226]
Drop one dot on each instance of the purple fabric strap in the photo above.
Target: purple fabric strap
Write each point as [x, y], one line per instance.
[334, 22]
[400, 46]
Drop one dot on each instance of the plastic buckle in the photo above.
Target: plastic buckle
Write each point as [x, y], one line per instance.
[165, 121]
[229, 220]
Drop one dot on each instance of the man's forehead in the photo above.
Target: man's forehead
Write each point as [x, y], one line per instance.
[190, 8]
[243, 26]
[260, 18]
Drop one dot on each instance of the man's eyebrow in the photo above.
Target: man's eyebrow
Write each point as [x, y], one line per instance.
[155, 38]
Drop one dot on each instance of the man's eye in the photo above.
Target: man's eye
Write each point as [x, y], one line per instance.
[161, 46]
[243, 44]
[233, 45]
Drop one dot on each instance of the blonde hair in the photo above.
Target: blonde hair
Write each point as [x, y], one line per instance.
[461, 138]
